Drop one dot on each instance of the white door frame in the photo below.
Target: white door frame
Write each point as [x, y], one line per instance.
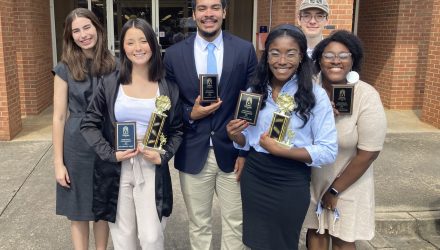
[54, 36]
[110, 26]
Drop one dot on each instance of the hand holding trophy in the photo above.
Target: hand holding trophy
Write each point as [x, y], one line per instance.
[154, 138]
[280, 121]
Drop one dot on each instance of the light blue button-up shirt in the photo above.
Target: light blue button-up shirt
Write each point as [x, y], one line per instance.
[318, 136]
[201, 54]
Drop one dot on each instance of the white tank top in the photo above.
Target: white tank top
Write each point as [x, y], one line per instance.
[131, 109]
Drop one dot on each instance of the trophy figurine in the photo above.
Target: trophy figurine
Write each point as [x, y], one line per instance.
[280, 121]
[154, 139]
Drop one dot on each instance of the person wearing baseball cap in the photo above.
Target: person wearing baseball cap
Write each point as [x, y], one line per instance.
[312, 18]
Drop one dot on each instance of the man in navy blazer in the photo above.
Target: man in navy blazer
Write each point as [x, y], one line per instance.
[207, 159]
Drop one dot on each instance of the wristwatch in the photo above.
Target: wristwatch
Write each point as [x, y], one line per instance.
[333, 191]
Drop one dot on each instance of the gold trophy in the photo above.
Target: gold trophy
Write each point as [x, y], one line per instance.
[280, 121]
[154, 139]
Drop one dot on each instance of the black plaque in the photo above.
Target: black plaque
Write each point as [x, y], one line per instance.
[248, 107]
[208, 87]
[279, 126]
[125, 136]
[152, 136]
[342, 97]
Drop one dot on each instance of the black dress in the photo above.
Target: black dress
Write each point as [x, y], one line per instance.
[275, 194]
[76, 202]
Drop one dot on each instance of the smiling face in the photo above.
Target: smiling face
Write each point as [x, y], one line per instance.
[312, 22]
[335, 70]
[209, 15]
[84, 33]
[136, 47]
[283, 58]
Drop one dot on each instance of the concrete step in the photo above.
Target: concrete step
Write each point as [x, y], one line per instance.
[405, 231]
[408, 223]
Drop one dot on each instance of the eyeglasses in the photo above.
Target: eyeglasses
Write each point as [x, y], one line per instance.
[276, 56]
[308, 17]
[330, 57]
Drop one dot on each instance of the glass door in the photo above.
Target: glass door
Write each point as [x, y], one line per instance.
[120, 12]
[171, 19]
[174, 22]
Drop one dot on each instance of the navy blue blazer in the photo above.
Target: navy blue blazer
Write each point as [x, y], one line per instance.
[239, 64]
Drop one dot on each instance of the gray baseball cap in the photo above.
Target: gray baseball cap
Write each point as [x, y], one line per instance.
[318, 4]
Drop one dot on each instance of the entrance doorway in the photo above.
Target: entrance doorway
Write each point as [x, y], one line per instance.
[171, 19]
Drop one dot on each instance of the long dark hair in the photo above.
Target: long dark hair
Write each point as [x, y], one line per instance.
[102, 62]
[304, 97]
[155, 67]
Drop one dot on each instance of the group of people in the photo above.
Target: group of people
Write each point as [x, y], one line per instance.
[267, 191]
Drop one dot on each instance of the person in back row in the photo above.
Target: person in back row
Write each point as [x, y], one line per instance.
[312, 18]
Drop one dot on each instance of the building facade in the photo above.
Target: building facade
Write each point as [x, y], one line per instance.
[401, 40]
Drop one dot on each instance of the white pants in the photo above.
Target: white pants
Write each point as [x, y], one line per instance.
[198, 192]
[137, 223]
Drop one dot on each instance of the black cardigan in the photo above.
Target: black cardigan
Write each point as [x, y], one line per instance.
[98, 129]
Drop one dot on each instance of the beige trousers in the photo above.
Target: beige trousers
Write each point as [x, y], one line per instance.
[137, 223]
[198, 192]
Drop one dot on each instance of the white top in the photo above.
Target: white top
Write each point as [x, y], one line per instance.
[365, 129]
[131, 109]
[201, 54]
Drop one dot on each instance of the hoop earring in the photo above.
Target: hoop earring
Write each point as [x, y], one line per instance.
[352, 77]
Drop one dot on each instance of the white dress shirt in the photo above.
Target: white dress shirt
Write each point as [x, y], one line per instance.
[201, 54]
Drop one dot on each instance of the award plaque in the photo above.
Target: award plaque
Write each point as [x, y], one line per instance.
[342, 97]
[125, 136]
[208, 87]
[248, 107]
[154, 139]
[280, 121]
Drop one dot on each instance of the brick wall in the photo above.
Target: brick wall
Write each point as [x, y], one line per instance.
[34, 55]
[341, 14]
[10, 117]
[431, 101]
[286, 11]
[395, 37]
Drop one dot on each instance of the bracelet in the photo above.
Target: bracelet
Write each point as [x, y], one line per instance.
[333, 191]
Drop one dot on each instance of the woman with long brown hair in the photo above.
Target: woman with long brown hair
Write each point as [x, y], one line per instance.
[84, 60]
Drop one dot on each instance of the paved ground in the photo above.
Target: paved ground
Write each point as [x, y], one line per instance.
[407, 191]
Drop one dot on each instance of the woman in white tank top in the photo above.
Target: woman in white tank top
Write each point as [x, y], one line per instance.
[133, 187]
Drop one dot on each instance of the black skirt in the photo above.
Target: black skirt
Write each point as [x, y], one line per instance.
[276, 195]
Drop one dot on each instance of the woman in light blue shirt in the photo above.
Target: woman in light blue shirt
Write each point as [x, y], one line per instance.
[275, 180]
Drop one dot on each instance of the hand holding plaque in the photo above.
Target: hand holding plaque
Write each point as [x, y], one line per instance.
[342, 97]
[154, 138]
[125, 136]
[248, 107]
[280, 121]
[208, 87]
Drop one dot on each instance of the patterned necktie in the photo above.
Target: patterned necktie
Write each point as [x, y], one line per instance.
[211, 63]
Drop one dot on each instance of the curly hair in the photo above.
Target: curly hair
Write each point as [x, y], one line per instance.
[304, 97]
[352, 42]
[72, 55]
